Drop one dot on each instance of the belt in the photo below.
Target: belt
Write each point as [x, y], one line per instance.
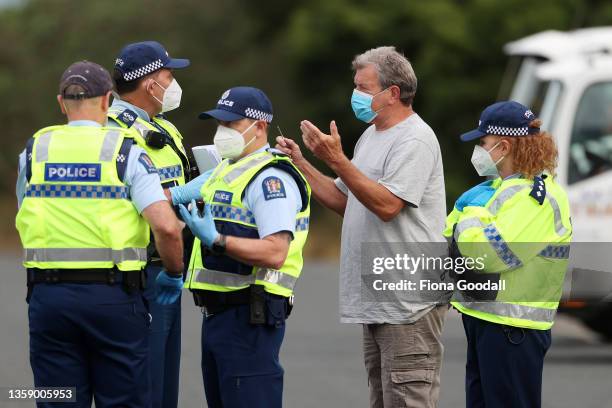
[130, 279]
[222, 300]
[212, 302]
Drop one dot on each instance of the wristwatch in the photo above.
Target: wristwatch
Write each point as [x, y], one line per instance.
[218, 247]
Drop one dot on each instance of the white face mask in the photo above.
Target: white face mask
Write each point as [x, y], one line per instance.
[230, 143]
[172, 96]
[483, 162]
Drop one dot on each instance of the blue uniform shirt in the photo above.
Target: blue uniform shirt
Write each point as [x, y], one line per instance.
[274, 199]
[140, 177]
[121, 105]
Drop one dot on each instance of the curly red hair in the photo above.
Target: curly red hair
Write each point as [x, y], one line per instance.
[534, 154]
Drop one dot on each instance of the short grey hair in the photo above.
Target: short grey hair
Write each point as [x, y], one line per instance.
[393, 68]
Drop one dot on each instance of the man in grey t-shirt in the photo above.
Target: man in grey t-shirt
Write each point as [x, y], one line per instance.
[391, 195]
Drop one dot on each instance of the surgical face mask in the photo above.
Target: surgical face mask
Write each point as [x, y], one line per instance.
[230, 143]
[483, 162]
[361, 103]
[172, 96]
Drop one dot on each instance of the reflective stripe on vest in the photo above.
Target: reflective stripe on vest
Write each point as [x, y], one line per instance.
[498, 243]
[233, 213]
[511, 310]
[559, 228]
[108, 146]
[501, 247]
[230, 212]
[504, 196]
[508, 193]
[170, 172]
[84, 255]
[229, 279]
[42, 147]
[76, 191]
[237, 172]
[556, 251]
[302, 224]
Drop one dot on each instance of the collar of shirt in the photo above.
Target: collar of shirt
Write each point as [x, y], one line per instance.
[126, 105]
[513, 176]
[84, 123]
[261, 149]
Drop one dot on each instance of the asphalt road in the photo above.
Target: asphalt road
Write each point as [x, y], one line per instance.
[322, 358]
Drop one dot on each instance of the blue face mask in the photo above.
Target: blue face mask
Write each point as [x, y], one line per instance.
[361, 103]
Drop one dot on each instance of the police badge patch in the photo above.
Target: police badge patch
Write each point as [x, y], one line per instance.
[273, 188]
[145, 160]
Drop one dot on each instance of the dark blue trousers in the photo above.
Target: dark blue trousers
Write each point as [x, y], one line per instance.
[240, 363]
[93, 337]
[504, 365]
[164, 346]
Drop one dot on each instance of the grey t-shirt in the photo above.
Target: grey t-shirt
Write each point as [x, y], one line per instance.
[406, 159]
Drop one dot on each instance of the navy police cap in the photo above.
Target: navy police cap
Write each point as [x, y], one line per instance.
[139, 59]
[507, 118]
[239, 103]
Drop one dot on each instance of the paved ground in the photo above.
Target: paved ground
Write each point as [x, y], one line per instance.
[322, 358]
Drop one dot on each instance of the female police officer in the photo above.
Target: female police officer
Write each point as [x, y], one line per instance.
[519, 224]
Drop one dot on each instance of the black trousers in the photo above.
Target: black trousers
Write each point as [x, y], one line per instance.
[504, 364]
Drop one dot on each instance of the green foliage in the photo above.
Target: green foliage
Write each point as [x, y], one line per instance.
[299, 52]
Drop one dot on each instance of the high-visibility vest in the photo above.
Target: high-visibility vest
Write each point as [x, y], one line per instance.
[76, 213]
[522, 236]
[171, 160]
[224, 191]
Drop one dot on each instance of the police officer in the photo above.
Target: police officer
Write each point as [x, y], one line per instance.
[248, 255]
[147, 89]
[86, 194]
[517, 225]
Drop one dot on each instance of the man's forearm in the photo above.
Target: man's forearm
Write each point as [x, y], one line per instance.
[371, 194]
[269, 252]
[323, 188]
[170, 249]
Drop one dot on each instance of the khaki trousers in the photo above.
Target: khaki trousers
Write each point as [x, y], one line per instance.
[403, 361]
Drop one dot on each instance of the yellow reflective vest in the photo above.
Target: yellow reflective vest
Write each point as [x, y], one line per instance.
[76, 213]
[224, 192]
[171, 161]
[521, 237]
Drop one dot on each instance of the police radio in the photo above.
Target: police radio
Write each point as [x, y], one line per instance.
[155, 139]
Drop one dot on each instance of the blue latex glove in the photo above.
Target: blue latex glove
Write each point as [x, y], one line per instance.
[202, 227]
[168, 288]
[482, 198]
[475, 196]
[190, 191]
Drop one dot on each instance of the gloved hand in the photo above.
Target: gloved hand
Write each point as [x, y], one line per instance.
[475, 196]
[202, 227]
[190, 191]
[168, 288]
[482, 198]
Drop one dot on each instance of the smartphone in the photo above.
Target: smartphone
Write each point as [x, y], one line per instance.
[200, 205]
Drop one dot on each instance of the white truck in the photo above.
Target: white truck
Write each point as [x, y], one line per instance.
[566, 78]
